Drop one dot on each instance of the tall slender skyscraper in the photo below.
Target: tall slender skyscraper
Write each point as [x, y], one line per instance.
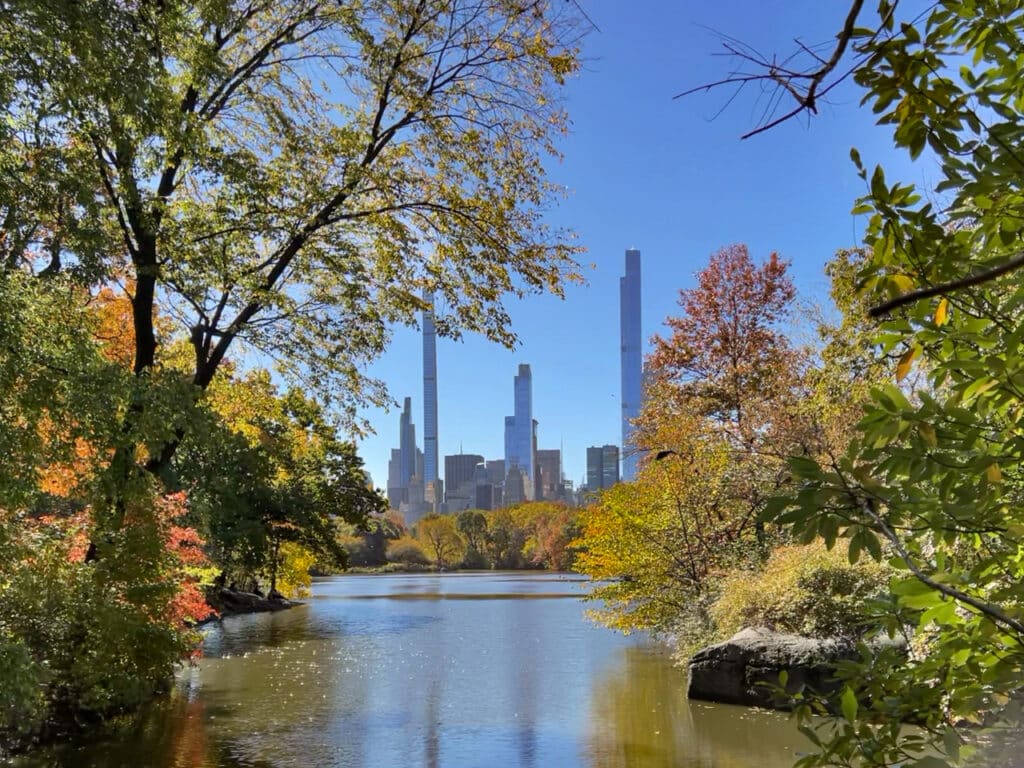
[632, 358]
[406, 444]
[519, 430]
[430, 457]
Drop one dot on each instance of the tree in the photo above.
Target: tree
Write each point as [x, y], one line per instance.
[472, 524]
[270, 470]
[932, 475]
[440, 537]
[718, 419]
[729, 360]
[292, 176]
[727, 351]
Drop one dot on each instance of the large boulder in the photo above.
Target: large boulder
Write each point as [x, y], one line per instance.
[745, 668]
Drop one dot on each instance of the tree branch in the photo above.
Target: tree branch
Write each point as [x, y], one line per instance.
[977, 278]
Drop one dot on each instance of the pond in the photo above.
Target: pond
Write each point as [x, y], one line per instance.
[468, 670]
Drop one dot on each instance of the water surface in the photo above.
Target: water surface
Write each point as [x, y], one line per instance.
[481, 670]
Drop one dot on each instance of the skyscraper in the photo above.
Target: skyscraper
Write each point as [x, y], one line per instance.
[430, 402]
[549, 474]
[406, 444]
[632, 358]
[519, 430]
[602, 466]
[460, 472]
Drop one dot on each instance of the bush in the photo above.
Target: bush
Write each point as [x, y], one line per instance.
[407, 550]
[804, 590]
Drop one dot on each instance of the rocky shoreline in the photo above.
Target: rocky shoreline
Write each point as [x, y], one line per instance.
[231, 602]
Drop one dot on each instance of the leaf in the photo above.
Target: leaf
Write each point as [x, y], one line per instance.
[848, 704]
[951, 740]
[927, 432]
[942, 312]
[993, 474]
[905, 363]
[903, 282]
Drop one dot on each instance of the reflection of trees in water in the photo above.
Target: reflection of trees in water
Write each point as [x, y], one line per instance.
[640, 718]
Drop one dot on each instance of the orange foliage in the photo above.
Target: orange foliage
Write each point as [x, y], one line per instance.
[66, 479]
[115, 329]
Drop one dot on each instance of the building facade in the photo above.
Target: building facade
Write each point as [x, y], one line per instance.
[602, 466]
[460, 475]
[549, 474]
[631, 337]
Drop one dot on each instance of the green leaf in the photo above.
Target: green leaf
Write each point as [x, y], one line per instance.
[848, 704]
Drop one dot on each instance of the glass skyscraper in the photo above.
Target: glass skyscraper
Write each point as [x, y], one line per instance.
[632, 358]
[519, 430]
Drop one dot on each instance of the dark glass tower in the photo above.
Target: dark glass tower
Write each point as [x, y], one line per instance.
[632, 358]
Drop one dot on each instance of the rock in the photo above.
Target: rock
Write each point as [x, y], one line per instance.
[230, 602]
[745, 668]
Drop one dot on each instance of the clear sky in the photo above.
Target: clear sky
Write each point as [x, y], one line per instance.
[671, 178]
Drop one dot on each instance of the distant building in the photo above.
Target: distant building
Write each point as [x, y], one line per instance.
[429, 474]
[602, 466]
[397, 492]
[549, 474]
[462, 473]
[487, 497]
[406, 461]
[515, 487]
[495, 471]
[631, 336]
[520, 432]
[415, 508]
[460, 470]
[406, 444]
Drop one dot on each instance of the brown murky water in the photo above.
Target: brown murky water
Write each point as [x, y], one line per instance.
[483, 670]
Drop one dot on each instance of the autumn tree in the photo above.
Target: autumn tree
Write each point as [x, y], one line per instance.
[729, 360]
[719, 418]
[439, 535]
[728, 352]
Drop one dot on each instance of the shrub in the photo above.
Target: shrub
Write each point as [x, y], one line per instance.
[407, 550]
[806, 590]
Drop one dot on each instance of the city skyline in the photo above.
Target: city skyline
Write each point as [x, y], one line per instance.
[665, 189]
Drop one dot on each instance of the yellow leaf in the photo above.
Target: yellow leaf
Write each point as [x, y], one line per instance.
[903, 366]
[993, 474]
[942, 312]
[903, 282]
[928, 433]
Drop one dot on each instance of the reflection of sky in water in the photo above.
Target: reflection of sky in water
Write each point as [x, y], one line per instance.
[377, 672]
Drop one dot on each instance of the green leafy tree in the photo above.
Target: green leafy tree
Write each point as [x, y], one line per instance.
[472, 524]
[932, 477]
[270, 471]
[294, 176]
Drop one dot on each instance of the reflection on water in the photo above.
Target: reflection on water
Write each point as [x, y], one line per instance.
[639, 716]
[452, 671]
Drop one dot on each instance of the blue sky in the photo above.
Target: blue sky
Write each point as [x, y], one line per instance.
[668, 177]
